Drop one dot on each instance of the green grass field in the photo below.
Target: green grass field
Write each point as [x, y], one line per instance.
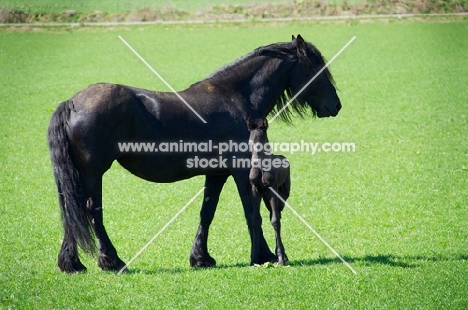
[395, 209]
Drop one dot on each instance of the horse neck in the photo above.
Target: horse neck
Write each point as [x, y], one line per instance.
[261, 80]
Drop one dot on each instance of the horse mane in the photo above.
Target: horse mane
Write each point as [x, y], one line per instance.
[289, 51]
[275, 50]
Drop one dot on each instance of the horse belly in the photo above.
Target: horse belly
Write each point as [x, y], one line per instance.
[166, 169]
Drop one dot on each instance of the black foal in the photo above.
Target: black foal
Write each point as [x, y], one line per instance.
[269, 176]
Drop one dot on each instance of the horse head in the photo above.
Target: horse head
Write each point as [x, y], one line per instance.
[318, 93]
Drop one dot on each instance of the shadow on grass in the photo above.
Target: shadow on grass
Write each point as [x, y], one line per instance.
[409, 261]
[177, 270]
[368, 260]
[174, 270]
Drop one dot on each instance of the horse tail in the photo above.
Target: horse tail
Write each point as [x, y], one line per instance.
[71, 194]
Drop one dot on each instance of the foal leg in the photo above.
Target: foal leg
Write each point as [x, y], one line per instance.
[283, 191]
[199, 256]
[275, 219]
[108, 258]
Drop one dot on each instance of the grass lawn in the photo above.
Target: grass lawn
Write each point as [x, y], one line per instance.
[395, 209]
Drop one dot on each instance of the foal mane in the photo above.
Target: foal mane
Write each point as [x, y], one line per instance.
[289, 51]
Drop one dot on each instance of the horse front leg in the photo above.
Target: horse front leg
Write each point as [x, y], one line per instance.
[260, 251]
[199, 256]
[275, 219]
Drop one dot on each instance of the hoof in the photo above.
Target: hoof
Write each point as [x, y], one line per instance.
[202, 262]
[282, 259]
[111, 263]
[267, 257]
[70, 266]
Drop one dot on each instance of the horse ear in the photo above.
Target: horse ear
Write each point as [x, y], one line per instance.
[293, 37]
[301, 46]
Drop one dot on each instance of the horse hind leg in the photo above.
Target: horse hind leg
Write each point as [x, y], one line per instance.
[107, 257]
[78, 178]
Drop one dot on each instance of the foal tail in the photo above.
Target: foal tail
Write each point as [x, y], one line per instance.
[72, 198]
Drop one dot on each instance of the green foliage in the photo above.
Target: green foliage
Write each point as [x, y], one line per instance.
[395, 208]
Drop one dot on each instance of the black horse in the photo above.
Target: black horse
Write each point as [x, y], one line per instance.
[85, 132]
[270, 176]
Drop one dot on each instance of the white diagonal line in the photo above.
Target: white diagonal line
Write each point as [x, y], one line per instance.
[315, 233]
[160, 231]
[311, 80]
[162, 79]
